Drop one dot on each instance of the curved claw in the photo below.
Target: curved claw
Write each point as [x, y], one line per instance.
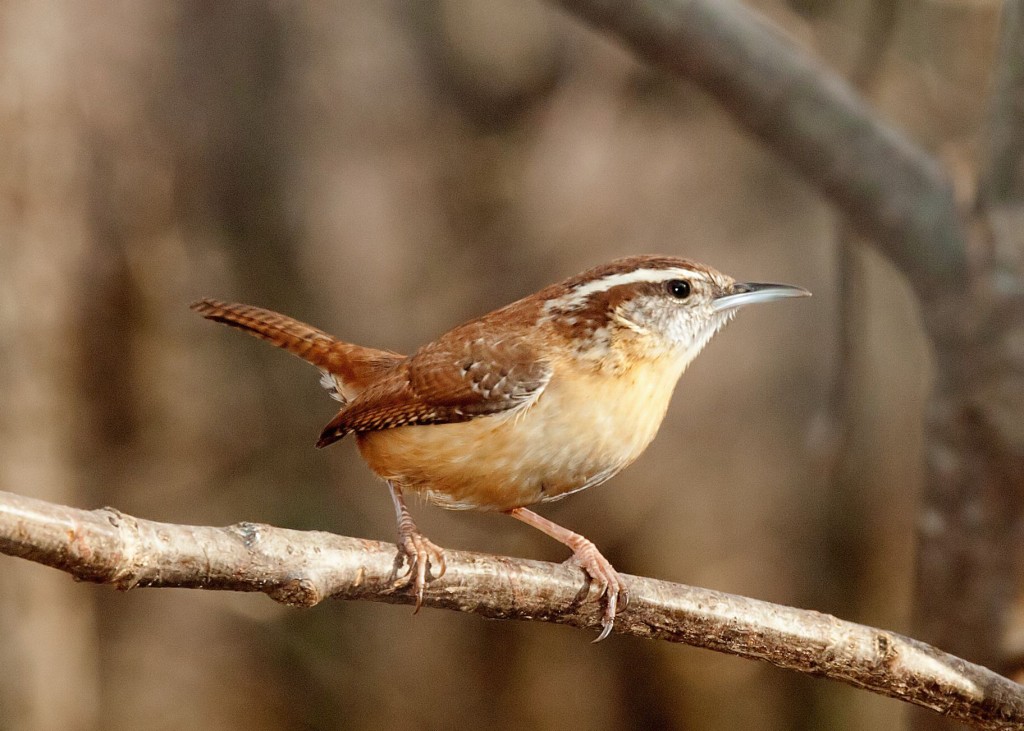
[600, 570]
[422, 555]
[608, 620]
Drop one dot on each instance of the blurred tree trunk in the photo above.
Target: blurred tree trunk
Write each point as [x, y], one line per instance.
[48, 625]
[971, 522]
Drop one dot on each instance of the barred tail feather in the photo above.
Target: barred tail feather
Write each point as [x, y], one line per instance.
[305, 341]
[351, 367]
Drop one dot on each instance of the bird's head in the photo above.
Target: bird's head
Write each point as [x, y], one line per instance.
[661, 306]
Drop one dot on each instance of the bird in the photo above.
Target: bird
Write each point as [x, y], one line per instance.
[542, 398]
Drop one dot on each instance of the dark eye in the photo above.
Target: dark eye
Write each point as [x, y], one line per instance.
[678, 288]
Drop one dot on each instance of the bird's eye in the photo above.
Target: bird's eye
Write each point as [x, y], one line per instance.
[678, 288]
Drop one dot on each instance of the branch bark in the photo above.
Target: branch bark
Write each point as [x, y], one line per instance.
[890, 189]
[303, 568]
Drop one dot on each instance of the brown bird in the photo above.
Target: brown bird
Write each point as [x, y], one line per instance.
[537, 400]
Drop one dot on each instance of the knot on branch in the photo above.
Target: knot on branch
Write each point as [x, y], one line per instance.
[125, 574]
[248, 532]
[297, 592]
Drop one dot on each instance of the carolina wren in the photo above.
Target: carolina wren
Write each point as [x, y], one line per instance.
[542, 398]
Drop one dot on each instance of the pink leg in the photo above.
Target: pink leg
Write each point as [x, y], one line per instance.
[587, 557]
[414, 546]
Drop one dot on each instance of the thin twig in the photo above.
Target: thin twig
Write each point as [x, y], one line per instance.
[1003, 179]
[850, 277]
[843, 523]
[303, 568]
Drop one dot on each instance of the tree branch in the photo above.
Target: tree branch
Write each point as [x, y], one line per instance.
[303, 568]
[891, 191]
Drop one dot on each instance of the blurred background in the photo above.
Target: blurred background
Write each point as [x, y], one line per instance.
[385, 170]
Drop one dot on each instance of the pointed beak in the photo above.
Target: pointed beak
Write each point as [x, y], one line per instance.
[749, 293]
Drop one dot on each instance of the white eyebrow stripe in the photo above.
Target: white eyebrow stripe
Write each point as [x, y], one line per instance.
[578, 296]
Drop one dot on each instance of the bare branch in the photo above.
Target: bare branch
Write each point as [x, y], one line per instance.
[889, 189]
[304, 568]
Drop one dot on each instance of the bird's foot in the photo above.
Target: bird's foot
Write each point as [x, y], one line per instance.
[597, 567]
[422, 555]
[587, 557]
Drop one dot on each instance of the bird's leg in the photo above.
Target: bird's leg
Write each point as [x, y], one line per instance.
[587, 557]
[415, 546]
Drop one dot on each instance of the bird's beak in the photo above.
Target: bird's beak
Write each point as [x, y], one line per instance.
[749, 293]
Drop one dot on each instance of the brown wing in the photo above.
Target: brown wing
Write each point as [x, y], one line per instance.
[457, 378]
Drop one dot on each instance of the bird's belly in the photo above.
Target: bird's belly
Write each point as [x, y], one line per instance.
[576, 435]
